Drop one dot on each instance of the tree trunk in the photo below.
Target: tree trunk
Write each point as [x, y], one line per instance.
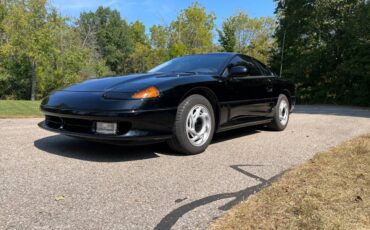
[33, 81]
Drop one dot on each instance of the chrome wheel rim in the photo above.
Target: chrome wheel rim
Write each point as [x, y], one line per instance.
[283, 112]
[198, 125]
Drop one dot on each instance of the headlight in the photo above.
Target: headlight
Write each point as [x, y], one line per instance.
[151, 92]
[117, 95]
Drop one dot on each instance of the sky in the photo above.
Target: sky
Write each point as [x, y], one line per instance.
[152, 12]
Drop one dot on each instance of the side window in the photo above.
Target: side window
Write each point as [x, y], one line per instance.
[253, 70]
[266, 71]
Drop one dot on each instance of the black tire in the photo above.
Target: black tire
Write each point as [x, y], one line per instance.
[277, 124]
[180, 141]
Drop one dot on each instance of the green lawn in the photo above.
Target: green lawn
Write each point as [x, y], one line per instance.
[19, 109]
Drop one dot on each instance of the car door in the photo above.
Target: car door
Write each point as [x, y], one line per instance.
[269, 76]
[249, 94]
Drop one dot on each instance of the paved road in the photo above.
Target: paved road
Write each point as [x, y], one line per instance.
[48, 181]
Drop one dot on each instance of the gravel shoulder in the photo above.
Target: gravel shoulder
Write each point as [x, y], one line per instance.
[54, 182]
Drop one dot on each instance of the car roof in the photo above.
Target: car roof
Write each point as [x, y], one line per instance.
[217, 53]
[225, 54]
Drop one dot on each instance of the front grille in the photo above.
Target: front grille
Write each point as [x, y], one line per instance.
[53, 122]
[80, 125]
[123, 127]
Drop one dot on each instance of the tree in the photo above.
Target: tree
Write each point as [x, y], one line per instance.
[112, 36]
[29, 33]
[138, 32]
[159, 37]
[325, 49]
[262, 41]
[140, 58]
[87, 26]
[193, 29]
[40, 52]
[2, 17]
[227, 36]
[178, 49]
[252, 36]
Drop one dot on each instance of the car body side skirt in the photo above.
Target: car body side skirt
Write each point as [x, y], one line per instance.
[242, 125]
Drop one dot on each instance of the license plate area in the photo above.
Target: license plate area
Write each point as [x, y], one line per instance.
[107, 128]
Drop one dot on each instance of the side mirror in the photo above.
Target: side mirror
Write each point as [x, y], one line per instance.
[238, 71]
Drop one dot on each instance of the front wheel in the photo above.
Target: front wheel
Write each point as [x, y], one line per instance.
[194, 125]
[281, 115]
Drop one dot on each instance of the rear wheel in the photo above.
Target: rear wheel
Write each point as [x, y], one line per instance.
[194, 125]
[281, 115]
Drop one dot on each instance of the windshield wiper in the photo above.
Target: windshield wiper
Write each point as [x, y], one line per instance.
[188, 72]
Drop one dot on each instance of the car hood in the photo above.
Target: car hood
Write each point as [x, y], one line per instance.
[129, 83]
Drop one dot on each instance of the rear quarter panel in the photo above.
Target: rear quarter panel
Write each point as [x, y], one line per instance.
[286, 87]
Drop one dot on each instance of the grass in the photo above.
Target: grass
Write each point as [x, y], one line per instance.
[19, 109]
[331, 191]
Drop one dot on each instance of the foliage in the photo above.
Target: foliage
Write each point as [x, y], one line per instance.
[227, 36]
[192, 31]
[159, 37]
[109, 35]
[326, 50]
[41, 52]
[252, 36]
[138, 32]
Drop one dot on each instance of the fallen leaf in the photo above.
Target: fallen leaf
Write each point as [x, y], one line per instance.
[59, 198]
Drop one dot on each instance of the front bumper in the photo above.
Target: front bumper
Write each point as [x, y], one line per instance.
[134, 127]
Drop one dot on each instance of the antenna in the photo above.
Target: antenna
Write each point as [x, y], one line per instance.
[282, 54]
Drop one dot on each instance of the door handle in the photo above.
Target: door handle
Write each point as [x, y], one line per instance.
[269, 89]
[235, 79]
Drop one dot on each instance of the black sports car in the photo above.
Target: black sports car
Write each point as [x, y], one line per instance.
[183, 101]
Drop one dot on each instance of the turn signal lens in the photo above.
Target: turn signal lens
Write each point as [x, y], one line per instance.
[151, 92]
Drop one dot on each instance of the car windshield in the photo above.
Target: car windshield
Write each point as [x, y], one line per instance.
[202, 63]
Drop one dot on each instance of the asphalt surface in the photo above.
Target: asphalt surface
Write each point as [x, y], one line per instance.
[49, 181]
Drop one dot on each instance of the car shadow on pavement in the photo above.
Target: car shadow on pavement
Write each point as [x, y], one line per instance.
[93, 151]
[236, 133]
[102, 152]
